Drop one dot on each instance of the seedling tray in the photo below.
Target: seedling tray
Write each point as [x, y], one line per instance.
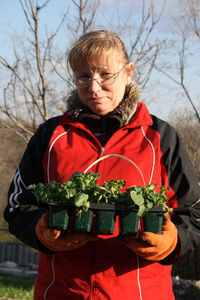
[63, 215]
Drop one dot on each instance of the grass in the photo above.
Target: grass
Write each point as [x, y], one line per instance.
[22, 287]
[16, 286]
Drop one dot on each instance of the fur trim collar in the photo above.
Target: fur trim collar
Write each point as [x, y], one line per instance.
[125, 110]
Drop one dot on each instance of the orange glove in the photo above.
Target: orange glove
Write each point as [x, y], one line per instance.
[155, 246]
[53, 240]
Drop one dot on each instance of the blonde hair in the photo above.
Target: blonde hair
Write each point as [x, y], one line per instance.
[97, 46]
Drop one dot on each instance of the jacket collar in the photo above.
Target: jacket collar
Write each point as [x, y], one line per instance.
[124, 111]
[129, 112]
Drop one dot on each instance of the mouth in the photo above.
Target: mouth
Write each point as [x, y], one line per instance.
[98, 100]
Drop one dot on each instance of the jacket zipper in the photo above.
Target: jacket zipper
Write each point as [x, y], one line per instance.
[101, 151]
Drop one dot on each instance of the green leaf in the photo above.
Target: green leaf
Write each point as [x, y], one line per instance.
[86, 205]
[80, 198]
[142, 210]
[82, 188]
[77, 174]
[151, 187]
[149, 205]
[137, 199]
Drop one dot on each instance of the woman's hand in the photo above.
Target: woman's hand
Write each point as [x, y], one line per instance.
[53, 240]
[154, 246]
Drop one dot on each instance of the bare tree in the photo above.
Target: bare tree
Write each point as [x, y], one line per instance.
[30, 92]
[38, 82]
[143, 50]
[86, 13]
[25, 96]
[188, 31]
[191, 17]
[80, 23]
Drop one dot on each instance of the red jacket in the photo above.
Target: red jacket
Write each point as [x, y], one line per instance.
[106, 269]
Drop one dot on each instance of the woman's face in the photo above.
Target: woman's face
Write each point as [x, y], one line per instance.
[103, 99]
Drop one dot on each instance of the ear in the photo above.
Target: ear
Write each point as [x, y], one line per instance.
[129, 68]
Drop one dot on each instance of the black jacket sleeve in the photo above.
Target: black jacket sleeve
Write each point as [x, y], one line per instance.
[184, 182]
[23, 209]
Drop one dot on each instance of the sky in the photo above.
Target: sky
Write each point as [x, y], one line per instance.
[12, 23]
[12, 19]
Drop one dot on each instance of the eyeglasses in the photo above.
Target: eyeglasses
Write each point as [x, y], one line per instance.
[104, 79]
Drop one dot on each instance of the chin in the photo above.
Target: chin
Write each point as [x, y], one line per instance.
[99, 111]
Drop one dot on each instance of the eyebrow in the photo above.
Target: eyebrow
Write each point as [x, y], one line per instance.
[93, 69]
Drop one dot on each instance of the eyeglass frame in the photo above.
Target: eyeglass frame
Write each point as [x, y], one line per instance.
[100, 82]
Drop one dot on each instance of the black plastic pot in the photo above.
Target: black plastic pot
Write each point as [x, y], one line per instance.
[129, 221]
[105, 217]
[153, 220]
[58, 217]
[83, 222]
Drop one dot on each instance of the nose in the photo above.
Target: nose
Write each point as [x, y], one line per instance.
[95, 84]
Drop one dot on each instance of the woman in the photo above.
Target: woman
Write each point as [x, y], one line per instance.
[104, 116]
